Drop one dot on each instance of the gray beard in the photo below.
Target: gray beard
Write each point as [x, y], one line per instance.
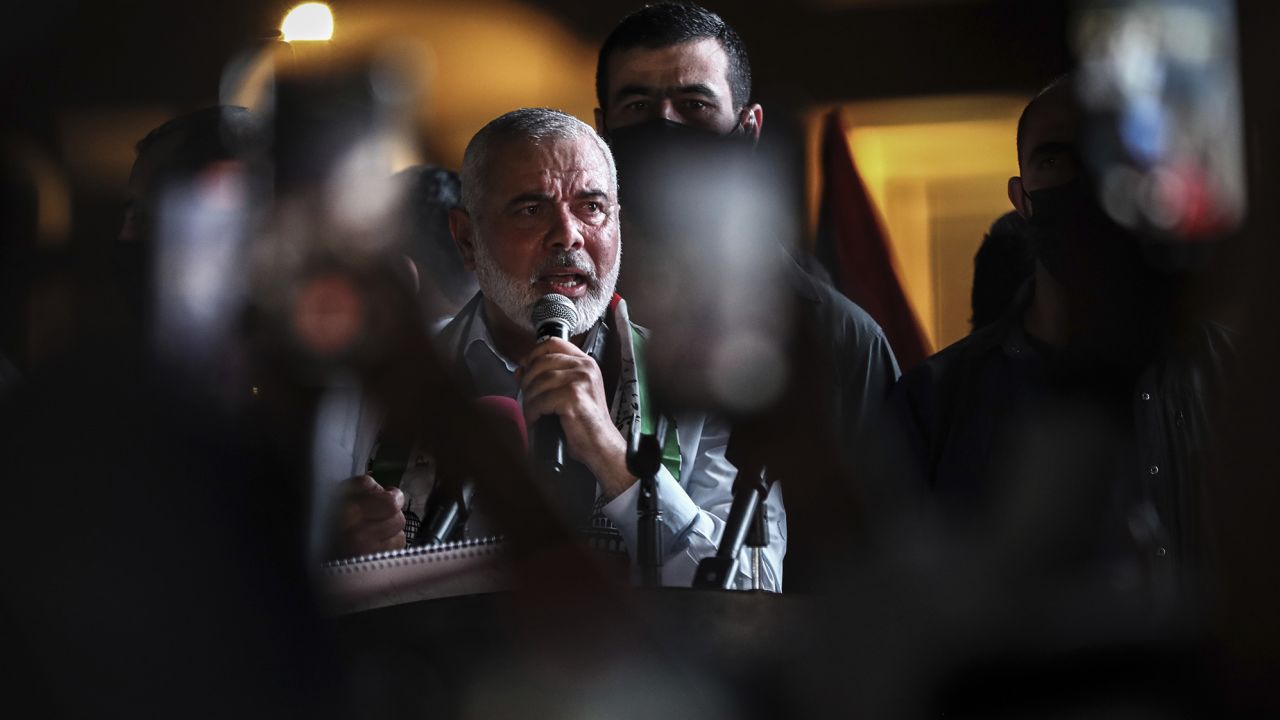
[517, 296]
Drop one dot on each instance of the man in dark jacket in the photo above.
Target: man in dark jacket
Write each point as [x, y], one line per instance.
[1070, 430]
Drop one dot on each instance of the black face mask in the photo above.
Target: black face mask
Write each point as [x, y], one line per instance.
[1117, 301]
[662, 130]
[1077, 242]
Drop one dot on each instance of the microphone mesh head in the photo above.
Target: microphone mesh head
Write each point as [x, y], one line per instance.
[554, 306]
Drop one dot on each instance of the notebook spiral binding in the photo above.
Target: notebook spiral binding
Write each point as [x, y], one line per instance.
[471, 547]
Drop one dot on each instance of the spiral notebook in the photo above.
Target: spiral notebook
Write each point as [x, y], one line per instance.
[424, 572]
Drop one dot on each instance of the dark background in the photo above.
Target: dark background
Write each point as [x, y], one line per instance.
[72, 53]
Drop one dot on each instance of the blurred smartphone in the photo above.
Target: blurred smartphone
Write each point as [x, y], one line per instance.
[703, 223]
[328, 268]
[1158, 81]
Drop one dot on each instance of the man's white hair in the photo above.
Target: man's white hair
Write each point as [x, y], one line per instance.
[534, 125]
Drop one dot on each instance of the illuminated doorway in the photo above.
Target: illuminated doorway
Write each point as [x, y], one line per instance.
[936, 170]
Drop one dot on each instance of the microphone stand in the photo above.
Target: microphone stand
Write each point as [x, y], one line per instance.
[644, 460]
[447, 507]
[758, 539]
[750, 489]
[446, 516]
[746, 522]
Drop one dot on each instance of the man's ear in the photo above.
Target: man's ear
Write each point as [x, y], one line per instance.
[463, 232]
[753, 121]
[599, 122]
[1018, 197]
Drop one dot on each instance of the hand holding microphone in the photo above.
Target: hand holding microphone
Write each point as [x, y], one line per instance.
[565, 402]
[553, 316]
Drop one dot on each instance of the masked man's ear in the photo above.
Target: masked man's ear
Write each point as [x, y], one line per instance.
[463, 231]
[753, 121]
[1018, 197]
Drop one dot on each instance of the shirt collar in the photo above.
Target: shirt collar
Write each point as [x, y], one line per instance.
[492, 372]
[478, 334]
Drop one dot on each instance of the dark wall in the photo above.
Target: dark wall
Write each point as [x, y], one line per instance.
[161, 51]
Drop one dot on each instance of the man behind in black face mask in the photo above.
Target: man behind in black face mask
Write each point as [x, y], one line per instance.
[673, 81]
[1072, 428]
[1096, 300]
[676, 64]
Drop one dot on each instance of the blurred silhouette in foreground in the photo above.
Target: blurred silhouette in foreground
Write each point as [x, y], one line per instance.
[444, 285]
[156, 537]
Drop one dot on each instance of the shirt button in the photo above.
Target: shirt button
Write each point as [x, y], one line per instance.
[1145, 396]
[1161, 552]
[1154, 469]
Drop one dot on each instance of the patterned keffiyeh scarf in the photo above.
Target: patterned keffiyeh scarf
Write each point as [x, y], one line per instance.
[632, 415]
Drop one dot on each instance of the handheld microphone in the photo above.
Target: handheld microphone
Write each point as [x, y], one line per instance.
[450, 501]
[554, 315]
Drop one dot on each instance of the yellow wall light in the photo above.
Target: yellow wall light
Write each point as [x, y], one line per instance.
[308, 21]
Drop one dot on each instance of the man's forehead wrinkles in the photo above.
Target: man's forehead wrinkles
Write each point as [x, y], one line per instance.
[553, 184]
[548, 170]
[528, 197]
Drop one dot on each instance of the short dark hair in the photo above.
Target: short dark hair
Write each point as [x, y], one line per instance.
[665, 24]
[1060, 81]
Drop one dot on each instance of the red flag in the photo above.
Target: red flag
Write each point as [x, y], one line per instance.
[855, 249]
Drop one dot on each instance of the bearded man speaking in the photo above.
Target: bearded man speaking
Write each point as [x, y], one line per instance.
[540, 216]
